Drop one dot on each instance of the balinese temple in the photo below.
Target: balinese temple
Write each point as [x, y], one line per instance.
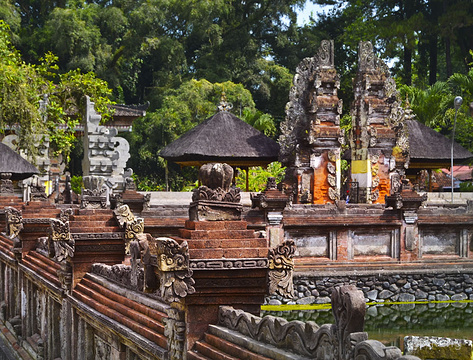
[222, 138]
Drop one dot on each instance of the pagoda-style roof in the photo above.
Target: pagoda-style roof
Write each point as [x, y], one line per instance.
[222, 138]
[12, 162]
[432, 150]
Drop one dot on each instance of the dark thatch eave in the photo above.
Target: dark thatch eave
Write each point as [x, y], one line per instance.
[223, 138]
[428, 146]
[11, 162]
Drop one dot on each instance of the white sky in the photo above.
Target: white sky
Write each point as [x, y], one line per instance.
[303, 15]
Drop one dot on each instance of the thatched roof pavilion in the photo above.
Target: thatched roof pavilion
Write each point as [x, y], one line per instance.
[12, 162]
[432, 150]
[222, 138]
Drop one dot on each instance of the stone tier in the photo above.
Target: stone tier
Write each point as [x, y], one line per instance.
[98, 239]
[36, 223]
[222, 239]
[140, 319]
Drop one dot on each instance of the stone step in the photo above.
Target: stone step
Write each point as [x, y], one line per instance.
[227, 243]
[211, 352]
[232, 349]
[216, 225]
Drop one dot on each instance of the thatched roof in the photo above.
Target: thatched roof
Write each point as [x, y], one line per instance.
[12, 162]
[427, 146]
[222, 138]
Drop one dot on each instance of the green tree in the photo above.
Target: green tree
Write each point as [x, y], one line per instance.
[23, 86]
[181, 110]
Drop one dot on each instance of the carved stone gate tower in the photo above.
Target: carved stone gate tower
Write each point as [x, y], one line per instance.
[311, 136]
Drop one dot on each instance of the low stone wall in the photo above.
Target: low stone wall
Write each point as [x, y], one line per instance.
[438, 286]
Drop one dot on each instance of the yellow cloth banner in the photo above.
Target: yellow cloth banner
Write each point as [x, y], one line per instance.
[360, 166]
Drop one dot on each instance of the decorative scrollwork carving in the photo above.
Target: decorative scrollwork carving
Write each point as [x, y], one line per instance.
[325, 53]
[333, 193]
[14, 220]
[281, 266]
[65, 214]
[175, 331]
[332, 180]
[61, 240]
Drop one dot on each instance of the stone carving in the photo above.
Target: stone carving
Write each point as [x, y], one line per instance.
[65, 276]
[94, 193]
[6, 185]
[309, 340]
[216, 175]
[325, 53]
[172, 270]
[366, 57]
[132, 225]
[105, 153]
[348, 308]
[175, 331]
[224, 105]
[14, 220]
[213, 264]
[281, 267]
[65, 214]
[215, 199]
[38, 192]
[60, 240]
[119, 273]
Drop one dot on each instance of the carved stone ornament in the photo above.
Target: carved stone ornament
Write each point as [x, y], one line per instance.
[308, 340]
[332, 180]
[14, 220]
[325, 54]
[65, 214]
[175, 331]
[333, 194]
[38, 193]
[132, 225]
[205, 193]
[348, 308]
[61, 240]
[94, 193]
[65, 276]
[281, 267]
[172, 268]
[331, 168]
[6, 185]
[366, 58]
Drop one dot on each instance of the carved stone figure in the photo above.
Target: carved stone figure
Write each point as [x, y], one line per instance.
[132, 225]
[281, 267]
[14, 220]
[6, 185]
[61, 241]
